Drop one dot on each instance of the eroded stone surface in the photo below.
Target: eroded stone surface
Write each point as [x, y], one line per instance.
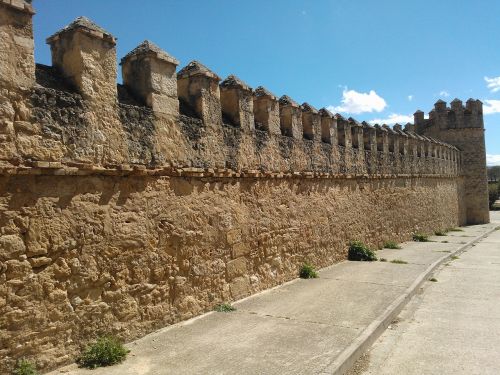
[92, 255]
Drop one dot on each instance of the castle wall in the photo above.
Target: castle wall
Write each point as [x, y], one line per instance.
[124, 208]
[88, 255]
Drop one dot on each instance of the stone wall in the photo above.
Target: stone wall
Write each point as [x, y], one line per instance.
[88, 255]
[124, 208]
[463, 127]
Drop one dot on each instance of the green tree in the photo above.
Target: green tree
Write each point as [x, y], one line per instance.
[494, 173]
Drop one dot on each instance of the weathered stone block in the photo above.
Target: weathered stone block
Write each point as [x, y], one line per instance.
[149, 72]
[233, 236]
[17, 269]
[198, 87]
[39, 261]
[17, 67]
[240, 249]
[11, 246]
[266, 111]
[236, 267]
[237, 103]
[240, 287]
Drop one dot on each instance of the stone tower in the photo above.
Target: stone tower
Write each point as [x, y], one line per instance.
[463, 127]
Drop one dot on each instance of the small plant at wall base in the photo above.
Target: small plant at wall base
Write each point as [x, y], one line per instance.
[24, 367]
[307, 271]
[106, 351]
[358, 251]
[419, 237]
[224, 307]
[440, 233]
[391, 245]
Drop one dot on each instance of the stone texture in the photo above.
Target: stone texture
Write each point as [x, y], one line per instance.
[126, 256]
[121, 213]
[463, 127]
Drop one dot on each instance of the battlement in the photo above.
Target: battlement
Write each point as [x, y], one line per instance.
[457, 116]
[161, 117]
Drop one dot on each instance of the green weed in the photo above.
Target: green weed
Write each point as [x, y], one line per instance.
[224, 307]
[24, 367]
[391, 245]
[106, 351]
[419, 237]
[358, 251]
[307, 271]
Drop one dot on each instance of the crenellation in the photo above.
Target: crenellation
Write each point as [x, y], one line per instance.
[311, 122]
[356, 133]
[344, 131]
[150, 73]
[370, 147]
[86, 55]
[290, 118]
[237, 103]
[266, 111]
[328, 127]
[17, 67]
[198, 88]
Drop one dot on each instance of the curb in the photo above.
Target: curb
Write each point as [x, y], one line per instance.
[346, 359]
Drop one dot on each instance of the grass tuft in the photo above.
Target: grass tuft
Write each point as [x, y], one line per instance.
[455, 230]
[433, 279]
[383, 260]
[106, 351]
[307, 271]
[24, 367]
[399, 261]
[391, 245]
[454, 257]
[440, 233]
[358, 251]
[419, 237]
[224, 307]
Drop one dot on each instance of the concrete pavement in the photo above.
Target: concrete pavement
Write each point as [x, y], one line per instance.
[303, 327]
[452, 327]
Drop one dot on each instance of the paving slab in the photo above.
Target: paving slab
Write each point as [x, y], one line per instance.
[302, 327]
[452, 326]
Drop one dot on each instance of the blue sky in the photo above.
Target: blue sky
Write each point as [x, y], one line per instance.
[368, 59]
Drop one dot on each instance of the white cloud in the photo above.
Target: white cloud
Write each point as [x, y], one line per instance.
[493, 83]
[393, 118]
[359, 102]
[491, 106]
[492, 159]
[444, 94]
[410, 98]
